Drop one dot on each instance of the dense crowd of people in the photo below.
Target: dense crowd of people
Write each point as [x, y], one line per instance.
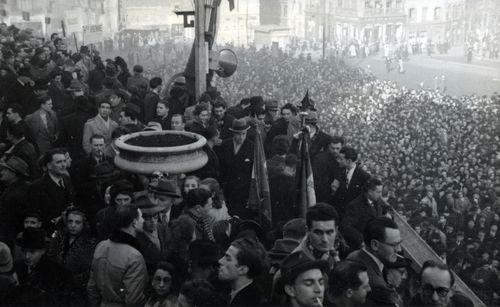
[77, 230]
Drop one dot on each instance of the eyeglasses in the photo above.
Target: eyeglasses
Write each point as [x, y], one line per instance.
[429, 290]
[393, 245]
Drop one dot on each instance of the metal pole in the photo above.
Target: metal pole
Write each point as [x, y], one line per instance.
[324, 26]
[200, 49]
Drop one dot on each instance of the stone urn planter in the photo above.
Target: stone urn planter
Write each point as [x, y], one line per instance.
[167, 151]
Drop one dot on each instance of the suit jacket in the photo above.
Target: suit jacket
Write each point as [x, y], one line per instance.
[317, 144]
[381, 293]
[149, 106]
[251, 295]
[13, 204]
[224, 124]
[325, 169]
[45, 136]
[72, 132]
[50, 198]
[356, 216]
[96, 125]
[236, 171]
[345, 194]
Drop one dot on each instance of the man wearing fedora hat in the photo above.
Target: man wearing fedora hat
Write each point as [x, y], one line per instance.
[153, 239]
[236, 160]
[163, 193]
[22, 148]
[302, 280]
[37, 272]
[13, 200]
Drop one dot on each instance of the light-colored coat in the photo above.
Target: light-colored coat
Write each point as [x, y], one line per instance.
[96, 125]
[118, 276]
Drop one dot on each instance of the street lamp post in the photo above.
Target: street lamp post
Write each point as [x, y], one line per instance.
[201, 48]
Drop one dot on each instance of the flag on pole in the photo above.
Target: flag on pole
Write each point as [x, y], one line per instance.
[307, 103]
[304, 177]
[259, 199]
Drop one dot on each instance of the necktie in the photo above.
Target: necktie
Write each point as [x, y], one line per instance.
[61, 183]
[347, 179]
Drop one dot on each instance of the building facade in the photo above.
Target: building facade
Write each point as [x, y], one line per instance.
[371, 22]
[435, 21]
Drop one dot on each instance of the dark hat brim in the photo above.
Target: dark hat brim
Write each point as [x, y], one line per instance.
[239, 130]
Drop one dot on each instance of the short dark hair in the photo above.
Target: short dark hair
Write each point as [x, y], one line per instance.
[281, 144]
[437, 265]
[321, 212]
[155, 82]
[349, 153]
[197, 197]
[16, 108]
[43, 99]
[96, 136]
[128, 113]
[375, 229]
[344, 276]
[210, 132]
[179, 115]
[105, 101]
[49, 155]
[336, 140]
[252, 254]
[290, 107]
[220, 104]
[372, 183]
[125, 215]
[200, 108]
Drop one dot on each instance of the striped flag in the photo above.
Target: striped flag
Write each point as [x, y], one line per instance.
[259, 199]
[304, 177]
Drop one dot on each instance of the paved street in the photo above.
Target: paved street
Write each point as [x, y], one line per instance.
[480, 77]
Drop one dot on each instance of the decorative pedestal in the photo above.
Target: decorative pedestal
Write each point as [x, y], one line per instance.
[167, 151]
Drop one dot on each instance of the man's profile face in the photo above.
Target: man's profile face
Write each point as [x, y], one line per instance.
[343, 162]
[334, 148]
[11, 116]
[375, 193]
[387, 250]
[322, 235]
[229, 268]
[434, 282]
[359, 294]
[308, 289]
[124, 119]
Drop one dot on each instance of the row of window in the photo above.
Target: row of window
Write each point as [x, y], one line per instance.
[412, 14]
